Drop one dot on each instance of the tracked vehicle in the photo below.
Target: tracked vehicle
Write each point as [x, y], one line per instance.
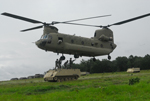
[60, 75]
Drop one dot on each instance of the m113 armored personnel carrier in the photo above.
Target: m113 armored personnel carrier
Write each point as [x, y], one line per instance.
[60, 75]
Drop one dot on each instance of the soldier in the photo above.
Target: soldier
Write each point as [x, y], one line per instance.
[56, 64]
[65, 64]
[71, 62]
[59, 62]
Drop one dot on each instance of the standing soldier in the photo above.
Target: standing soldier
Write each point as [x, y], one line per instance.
[65, 64]
[59, 62]
[56, 63]
[71, 62]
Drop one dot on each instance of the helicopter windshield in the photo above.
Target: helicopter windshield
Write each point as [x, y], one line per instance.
[46, 37]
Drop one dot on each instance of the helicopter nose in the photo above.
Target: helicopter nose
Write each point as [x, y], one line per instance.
[37, 43]
[40, 43]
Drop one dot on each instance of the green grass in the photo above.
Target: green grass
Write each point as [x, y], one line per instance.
[93, 87]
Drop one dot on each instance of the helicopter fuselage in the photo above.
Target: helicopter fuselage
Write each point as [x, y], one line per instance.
[76, 45]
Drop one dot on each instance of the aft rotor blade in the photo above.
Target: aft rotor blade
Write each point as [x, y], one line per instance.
[129, 20]
[21, 18]
[32, 28]
[55, 22]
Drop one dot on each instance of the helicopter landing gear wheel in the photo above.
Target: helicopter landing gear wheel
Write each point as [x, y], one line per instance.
[109, 57]
[94, 59]
[76, 56]
[62, 57]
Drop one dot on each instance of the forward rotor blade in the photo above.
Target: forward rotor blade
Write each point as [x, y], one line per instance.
[78, 24]
[32, 28]
[55, 22]
[21, 18]
[129, 20]
[86, 18]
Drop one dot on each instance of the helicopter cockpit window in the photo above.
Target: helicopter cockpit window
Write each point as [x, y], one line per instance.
[46, 37]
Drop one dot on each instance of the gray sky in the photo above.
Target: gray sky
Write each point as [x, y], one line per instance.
[20, 57]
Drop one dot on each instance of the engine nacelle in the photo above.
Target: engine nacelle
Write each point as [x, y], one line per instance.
[104, 34]
[105, 38]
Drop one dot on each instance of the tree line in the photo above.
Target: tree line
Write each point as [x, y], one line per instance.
[119, 64]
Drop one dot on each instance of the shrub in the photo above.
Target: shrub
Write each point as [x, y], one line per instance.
[132, 81]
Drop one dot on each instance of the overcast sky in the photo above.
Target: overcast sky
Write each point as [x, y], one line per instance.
[20, 57]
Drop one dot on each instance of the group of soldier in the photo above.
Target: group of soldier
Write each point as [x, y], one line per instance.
[67, 65]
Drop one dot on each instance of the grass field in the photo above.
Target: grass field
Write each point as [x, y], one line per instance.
[93, 87]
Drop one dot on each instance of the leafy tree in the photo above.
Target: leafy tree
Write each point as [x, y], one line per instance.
[122, 63]
[146, 62]
[119, 64]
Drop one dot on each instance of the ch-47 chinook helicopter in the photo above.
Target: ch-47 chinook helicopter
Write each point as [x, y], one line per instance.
[101, 44]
